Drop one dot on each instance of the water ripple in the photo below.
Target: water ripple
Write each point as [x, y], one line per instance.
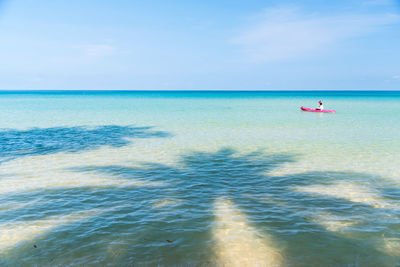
[219, 208]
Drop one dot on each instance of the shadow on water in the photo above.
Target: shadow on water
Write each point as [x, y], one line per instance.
[169, 218]
[43, 141]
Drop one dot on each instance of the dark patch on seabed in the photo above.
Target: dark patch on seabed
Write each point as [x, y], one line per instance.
[140, 231]
[44, 141]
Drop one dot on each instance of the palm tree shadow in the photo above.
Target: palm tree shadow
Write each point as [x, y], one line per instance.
[43, 141]
[169, 218]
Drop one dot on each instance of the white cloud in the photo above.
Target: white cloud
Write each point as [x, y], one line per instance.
[396, 77]
[283, 33]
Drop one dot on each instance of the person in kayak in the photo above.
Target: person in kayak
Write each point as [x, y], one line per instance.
[320, 107]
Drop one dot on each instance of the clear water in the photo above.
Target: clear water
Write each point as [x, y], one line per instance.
[199, 178]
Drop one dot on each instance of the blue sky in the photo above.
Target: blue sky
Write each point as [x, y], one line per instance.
[194, 45]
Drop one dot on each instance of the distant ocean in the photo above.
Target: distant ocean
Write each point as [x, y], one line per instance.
[203, 178]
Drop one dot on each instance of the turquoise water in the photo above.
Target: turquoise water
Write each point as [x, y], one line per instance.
[199, 178]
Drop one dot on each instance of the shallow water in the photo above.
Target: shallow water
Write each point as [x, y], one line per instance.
[199, 178]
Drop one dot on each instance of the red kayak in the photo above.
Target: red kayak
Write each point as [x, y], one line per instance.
[317, 110]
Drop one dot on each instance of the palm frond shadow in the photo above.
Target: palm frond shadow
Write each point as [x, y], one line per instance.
[43, 141]
[170, 222]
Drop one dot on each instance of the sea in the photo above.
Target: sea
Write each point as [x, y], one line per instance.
[199, 178]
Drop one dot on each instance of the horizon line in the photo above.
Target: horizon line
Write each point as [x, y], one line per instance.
[199, 90]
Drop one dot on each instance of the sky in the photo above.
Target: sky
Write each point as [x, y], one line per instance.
[200, 45]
